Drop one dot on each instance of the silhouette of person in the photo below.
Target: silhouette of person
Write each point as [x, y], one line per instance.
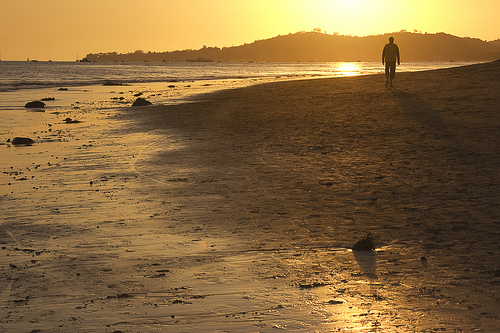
[389, 57]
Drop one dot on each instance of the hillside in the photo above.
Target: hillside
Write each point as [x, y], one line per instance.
[320, 47]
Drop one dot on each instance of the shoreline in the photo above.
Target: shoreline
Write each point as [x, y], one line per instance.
[237, 211]
[179, 73]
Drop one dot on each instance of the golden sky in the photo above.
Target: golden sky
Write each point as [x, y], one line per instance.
[63, 29]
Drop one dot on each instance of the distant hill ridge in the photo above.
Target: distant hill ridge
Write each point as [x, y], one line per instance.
[320, 47]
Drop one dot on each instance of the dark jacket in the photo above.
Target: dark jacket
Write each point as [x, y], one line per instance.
[390, 53]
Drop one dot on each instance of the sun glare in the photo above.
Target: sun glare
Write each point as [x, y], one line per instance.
[346, 68]
[354, 17]
[345, 6]
[351, 5]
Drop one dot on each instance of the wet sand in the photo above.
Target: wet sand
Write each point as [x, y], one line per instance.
[236, 212]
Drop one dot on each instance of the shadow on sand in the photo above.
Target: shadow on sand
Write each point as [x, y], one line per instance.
[432, 122]
[367, 262]
[423, 113]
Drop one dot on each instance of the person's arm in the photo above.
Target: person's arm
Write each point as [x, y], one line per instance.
[383, 55]
[397, 54]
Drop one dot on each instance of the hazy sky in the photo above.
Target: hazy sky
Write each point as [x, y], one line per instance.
[63, 29]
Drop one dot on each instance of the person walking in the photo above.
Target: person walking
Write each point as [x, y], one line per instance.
[390, 55]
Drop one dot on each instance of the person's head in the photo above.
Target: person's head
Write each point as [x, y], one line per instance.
[391, 40]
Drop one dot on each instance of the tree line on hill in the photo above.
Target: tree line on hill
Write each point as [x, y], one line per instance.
[321, 47]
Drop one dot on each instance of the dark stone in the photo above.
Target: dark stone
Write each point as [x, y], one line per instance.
[48, 99]
[22, 141]
[34, 105]
[112, 83]
[334, 302]
[366, 244]
[71, 121]
[63, 89]
[312, 285]
[141, 102]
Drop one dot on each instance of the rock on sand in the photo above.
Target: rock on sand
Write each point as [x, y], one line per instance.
[141, 102]
[34, 105]
[22, 141]
[366, 244]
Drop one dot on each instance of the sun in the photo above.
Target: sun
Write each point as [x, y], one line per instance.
[351, 5]
[342, 17]
[348, 16]
[347, 7]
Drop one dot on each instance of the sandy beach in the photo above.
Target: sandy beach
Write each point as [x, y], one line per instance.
[237, 211]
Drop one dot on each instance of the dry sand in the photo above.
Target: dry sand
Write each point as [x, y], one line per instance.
[236, 212]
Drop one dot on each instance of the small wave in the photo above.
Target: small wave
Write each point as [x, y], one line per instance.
[18, 85]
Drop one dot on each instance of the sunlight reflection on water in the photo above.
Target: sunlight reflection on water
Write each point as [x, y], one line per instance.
[346, 68]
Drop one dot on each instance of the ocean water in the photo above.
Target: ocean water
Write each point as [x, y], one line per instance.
[22, 75]
[29, 75]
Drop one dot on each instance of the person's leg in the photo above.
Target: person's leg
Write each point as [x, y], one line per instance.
[387, 73]
[392, 71]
